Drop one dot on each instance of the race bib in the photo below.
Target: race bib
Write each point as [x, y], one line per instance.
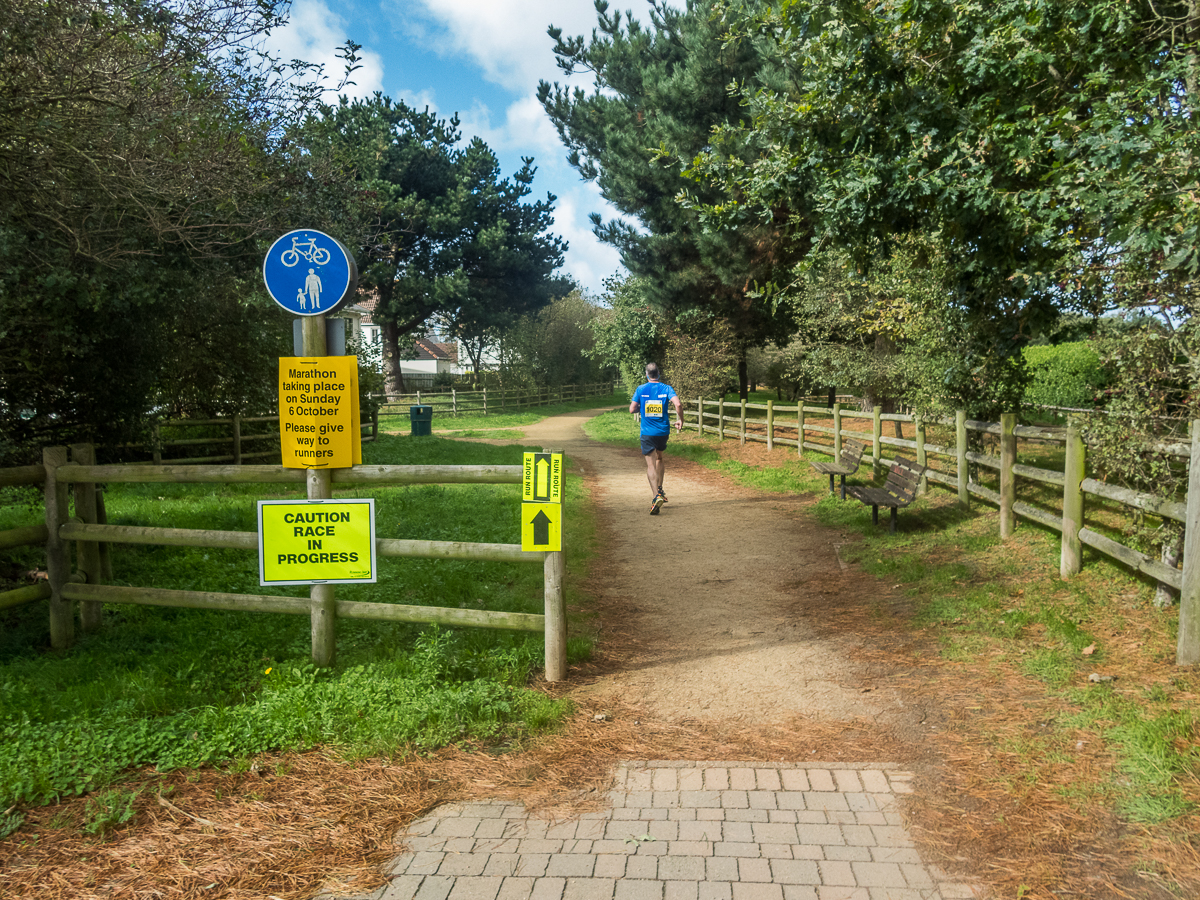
[654, 408]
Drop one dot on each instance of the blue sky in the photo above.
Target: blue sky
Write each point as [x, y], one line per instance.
[481, 59]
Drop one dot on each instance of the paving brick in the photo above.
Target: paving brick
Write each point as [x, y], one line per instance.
[663, 831]
[757, 891]
[776, 851]
[767, 779]
[548, 889]
[841, 816]
[416, 844]
[700, 831]
[754, 870]
[836, 872]
[893, 893]
[652, 848]
[858, 835]
[568, 865]
[738, 832]
[690, 848]
[874, 781]
[491, 828]
[916, 875]
[697, 799]
[459, 845]
[873, 874]
[625, 814]
[616, 847]
[515, 889]
[761, 799]
[420, 828]
[787, 816]
[425, 863]
[715, 890]
[842, 893]
[891, 836]
[539, 845]
[776, 833]
[716, 779]
[590, 829]
[795, 871]
[721, 868]
[681, 868]
[666, 799]
[639, 780]
[456, 827]
[799, 892]
[710, 815]
[847, 780]
[402, 887]
[589, 889]
[812, 817]
[794, 780]
[691, 779]
[683, 814]
[735, 848]
[456, 864]
[825, 800]
[434, 887]
[746, 815]
[680, 890]
[533, 864]
[577, 846]
[611, 865]
[734, 800]
[860, 802]
[562, 831]
[849, 853]
[790, 800]
[809, 851]
[641, 867]
[665, 780]
[637, 889]
[819, 834]
[870, 818]
[636, 799]
[896, 855]
[502, 864]
[742, 779]
[475, 889]
[821, 780]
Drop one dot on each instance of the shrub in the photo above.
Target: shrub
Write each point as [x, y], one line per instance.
[1063, 374]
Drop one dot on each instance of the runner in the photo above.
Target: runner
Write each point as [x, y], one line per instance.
[650, 401]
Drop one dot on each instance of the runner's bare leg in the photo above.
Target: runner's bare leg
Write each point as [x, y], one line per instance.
[654, 470]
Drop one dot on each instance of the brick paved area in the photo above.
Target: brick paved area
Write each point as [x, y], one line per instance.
[684, 831]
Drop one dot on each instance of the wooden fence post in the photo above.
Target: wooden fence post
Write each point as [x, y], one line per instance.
[960, 438]
[90, 612]
[800, 427]
[322, 606]
[700, 414]
[554, 570]
[837, 430]
[1187, 651]
[922, 452]
[721, 418]
[770, 425]
[877, 437]
[375, 424]
[742, 424]
[1074, 471]
[453, 403]
[1008, 479]
[485, 400]
[58, 554]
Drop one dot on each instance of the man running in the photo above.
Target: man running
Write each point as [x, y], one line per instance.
[651, 401]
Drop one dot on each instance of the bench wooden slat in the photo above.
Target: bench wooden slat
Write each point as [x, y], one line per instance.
[847, 464]
[898, 491]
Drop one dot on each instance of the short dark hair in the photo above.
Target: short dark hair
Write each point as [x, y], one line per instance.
[652, 371]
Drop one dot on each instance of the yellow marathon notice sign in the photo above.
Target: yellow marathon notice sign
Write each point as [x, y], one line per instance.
[316, 542]
[318, 412]
[542, 478]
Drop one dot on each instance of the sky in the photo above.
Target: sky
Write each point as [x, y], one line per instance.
[481, 59]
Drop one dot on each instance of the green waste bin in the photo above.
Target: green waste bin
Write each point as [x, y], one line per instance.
[421, 418]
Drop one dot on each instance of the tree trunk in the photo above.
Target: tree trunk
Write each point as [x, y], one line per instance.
[393, 378]
[832, 395]
[743, 381]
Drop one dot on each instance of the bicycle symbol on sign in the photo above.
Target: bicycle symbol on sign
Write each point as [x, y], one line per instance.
[308, 249]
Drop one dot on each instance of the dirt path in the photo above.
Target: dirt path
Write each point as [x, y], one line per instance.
[708, 593]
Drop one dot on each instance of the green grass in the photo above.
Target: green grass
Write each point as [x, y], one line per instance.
[174, 688]
[479, 424]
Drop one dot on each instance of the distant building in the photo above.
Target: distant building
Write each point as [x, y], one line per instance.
[420, 360]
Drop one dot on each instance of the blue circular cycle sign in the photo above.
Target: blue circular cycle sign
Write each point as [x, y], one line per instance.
[309, 273]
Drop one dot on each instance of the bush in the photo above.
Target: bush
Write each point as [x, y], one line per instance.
[1063, 375]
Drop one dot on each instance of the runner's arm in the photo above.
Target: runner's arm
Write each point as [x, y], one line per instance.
[678, 413]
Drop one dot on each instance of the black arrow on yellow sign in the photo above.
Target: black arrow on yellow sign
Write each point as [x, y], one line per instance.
[541, 528]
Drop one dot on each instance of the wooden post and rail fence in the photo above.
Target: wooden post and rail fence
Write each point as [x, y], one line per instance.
[491, 401]
[75, 470]
[951, 467]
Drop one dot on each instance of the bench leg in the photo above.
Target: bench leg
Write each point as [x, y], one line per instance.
[892, 530]
[832, 489]
[843, 486]
[874, 515]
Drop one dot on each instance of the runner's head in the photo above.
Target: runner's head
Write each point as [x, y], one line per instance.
[652, 372]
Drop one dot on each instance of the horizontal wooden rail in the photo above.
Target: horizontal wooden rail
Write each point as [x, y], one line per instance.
[1132, 558]
[438, 615]
[23, 537]
[1168, 509]
[279, 475]
[31, 593]
[1041, 516]
[458, 550]
[19, 475]
[1033, 473]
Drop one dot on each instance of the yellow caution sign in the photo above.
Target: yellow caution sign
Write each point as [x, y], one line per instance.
[541, 481]
[541, 526]
[316, 542]
[318, 412]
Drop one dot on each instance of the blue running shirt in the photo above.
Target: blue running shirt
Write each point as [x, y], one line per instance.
[654, 400]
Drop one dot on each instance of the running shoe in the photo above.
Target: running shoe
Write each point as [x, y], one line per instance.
[662, 494]
[656, 505]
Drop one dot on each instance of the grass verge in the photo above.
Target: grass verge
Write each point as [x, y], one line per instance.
[176, 688]
[479, 425]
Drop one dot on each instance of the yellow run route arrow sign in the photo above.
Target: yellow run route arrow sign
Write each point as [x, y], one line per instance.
[542, 478]
[541, 526]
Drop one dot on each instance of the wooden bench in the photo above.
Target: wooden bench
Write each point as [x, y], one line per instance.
[847, 464]
[900, 490]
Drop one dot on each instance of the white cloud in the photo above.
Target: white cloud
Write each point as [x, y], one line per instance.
[507, 38]
[587, 259]
[313, 34]
[526, 129]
